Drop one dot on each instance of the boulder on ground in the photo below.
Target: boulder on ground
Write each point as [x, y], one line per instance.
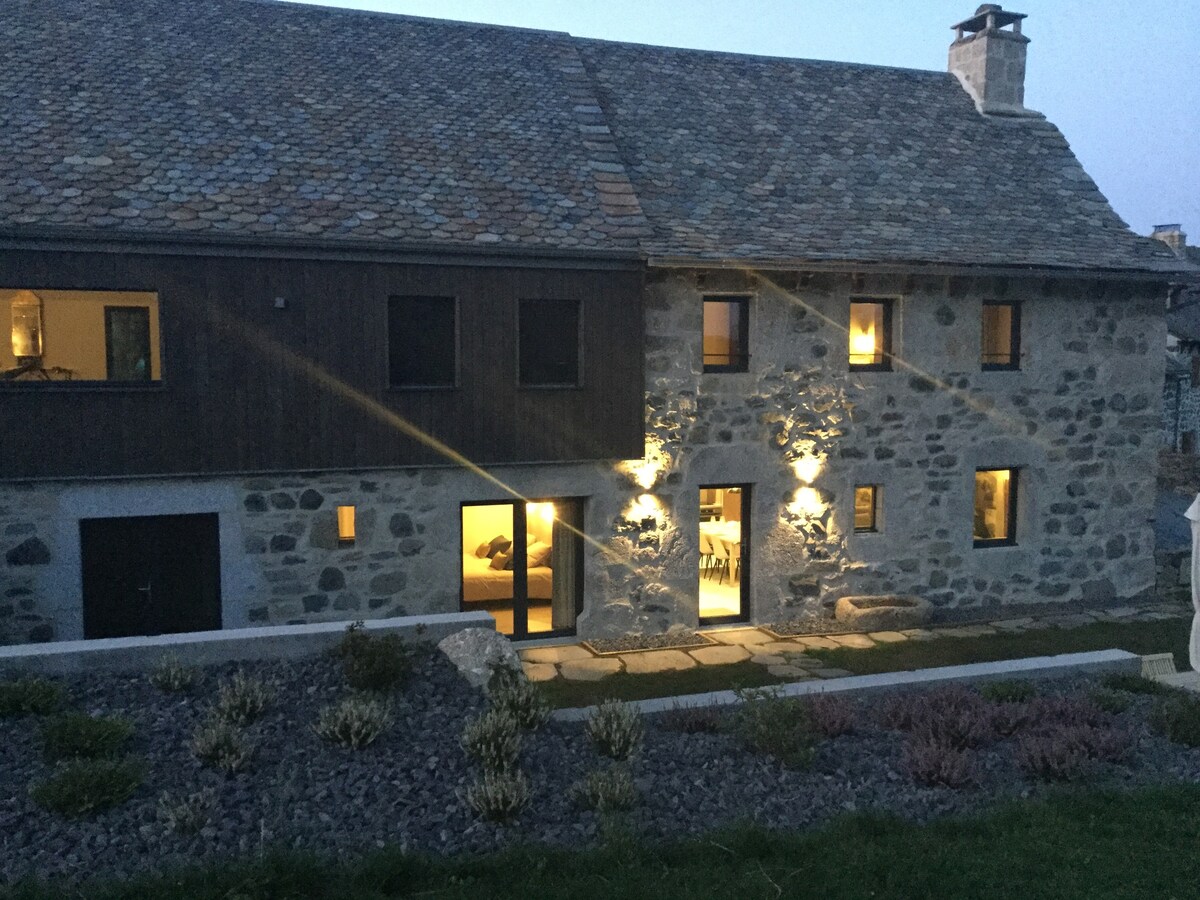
[475, 652]
[882, 612]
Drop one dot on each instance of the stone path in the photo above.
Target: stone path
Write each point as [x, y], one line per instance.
[786, 657]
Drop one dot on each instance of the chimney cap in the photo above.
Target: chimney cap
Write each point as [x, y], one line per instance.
[1169, 228]
[979, 21]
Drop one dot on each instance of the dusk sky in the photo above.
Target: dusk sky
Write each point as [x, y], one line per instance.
[1121, 79]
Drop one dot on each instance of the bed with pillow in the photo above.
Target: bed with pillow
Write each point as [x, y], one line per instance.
[487, 573]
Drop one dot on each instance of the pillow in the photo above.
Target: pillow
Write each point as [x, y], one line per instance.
[509, 563]
[482, 550]
[530, 540]
[538, 554]
[498, 544]
[499, 561]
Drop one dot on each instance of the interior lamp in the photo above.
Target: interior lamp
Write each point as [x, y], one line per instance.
[345, 521]
[27, 326]
[862, 343]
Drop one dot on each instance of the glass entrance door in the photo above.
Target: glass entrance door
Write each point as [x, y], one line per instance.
[724, 553]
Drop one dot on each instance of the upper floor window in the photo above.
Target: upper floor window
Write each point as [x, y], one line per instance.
[1001, 336]
[422, 342]
[995, 507]
[80, 336]
[726, 334]
[866, 508]
[549, 338]
[871, 334]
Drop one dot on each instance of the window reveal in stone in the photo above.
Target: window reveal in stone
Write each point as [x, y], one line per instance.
[866, 507]
[1001, 348]
[995, 506]
[726, 327]
[870, 334]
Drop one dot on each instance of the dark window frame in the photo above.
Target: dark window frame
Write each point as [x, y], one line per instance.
[112, 312]
[456, 308]
[1014, 482]
[744, 612]
[742, 357]
[874, 527]
[578, 384]
[1014, 339]
[888, 304]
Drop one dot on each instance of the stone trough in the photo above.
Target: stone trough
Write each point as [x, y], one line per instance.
[882, 612]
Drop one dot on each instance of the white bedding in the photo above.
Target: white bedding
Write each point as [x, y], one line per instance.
[481, 582]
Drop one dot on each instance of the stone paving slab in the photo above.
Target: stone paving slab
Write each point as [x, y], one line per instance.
[887, 637]
[781, 648]
[819, 643]
[919, 634]
[1013, 624]
[794, 672]
[720, 656]
[539, 671]
[589, 669]
[653, 661]
[768, 659]
[854, 641]
[561, 653]
[966, 631]
[742, 636]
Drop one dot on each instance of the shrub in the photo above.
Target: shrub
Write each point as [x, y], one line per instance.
[243, 699]
[354, 722]
[610, 789]
[830, 715]
[1177, 718]
[85, 786]
[494, 741]
[186, 814]
[1008, 691]
[1066, 752]
[952, 716]
[1110, 701]
[219, 743]
[29, 696]
[767, 723]
[79, 735]
[1055, 711]
[1009, 718]
[1135, 684]
[616, 729]
[937, 764]
[499, 796]
[511, 693]
[171, 676]
[373, 662]
[693, 719]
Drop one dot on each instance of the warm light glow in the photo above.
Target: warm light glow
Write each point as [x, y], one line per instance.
[26, 325]
[863, 343]
[644, 507]
[807, 503]
[345, 520]
[545, 511]
[807, 468]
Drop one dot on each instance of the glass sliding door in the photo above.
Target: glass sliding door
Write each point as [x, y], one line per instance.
[523, 564]
[724, 553]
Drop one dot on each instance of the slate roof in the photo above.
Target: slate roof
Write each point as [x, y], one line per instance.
[252, 119]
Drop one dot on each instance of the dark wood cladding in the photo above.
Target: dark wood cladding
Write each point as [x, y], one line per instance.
[248, 387]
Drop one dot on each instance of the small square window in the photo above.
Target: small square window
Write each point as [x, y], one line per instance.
[995, 507]
[726, 334]
[422, 342]
[1001, 347]
[866, 508]
[548, 339]
[871, 335]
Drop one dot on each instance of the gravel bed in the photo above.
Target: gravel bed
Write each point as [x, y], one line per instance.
[405, 790]
[672, 640]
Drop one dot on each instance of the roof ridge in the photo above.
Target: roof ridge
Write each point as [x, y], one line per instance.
[399, 17]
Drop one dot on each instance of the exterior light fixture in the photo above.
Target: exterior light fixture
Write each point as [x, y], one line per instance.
[545, 511]
[807, 468]
[345, 520]
[808, 502]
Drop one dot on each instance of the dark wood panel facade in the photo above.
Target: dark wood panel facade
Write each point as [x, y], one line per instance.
[250, 387]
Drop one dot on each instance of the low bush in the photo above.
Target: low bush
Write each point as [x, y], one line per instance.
[610, 789]
[1177, 718]
[694, 719]
[78, 735]
[1066, 752]
[353, 722]
[29, 697]
[243, 699]
[172, 677]
[219, 743]
[780, 727]
[372, 662]
[499, 796]
[85, 786]
[953, 716]
[937, 764]
[1110, 701]
[510, 692]
[186, 814]
[1008, 691]
[1055, 711]
[1135, 684]
[830, 715]
[494, 741]
[616, 729]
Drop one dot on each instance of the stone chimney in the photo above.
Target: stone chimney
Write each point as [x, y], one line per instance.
[1173, 236]
[988, 58]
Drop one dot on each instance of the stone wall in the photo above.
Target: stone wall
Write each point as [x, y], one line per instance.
[1080, 420]
[1180, 405]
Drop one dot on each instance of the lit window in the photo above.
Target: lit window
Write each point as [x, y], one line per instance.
[866, 507]
[1001, 336]
[80, 336]
[422, 342]
[871, 334]
[549, 340]
[995, 507]
[726, 328]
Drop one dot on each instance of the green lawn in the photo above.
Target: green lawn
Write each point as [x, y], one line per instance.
[1075, 845]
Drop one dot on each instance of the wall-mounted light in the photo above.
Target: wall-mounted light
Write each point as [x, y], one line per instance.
[646, 471]
[807, 503]
[645, 510]
[807, 468]
[345, 520]
[545, 511]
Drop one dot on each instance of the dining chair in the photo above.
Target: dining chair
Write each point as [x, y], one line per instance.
[720, 557]
[706, 554]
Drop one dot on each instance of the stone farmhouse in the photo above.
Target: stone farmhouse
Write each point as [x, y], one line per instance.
[1181, 387]
[322, 315]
